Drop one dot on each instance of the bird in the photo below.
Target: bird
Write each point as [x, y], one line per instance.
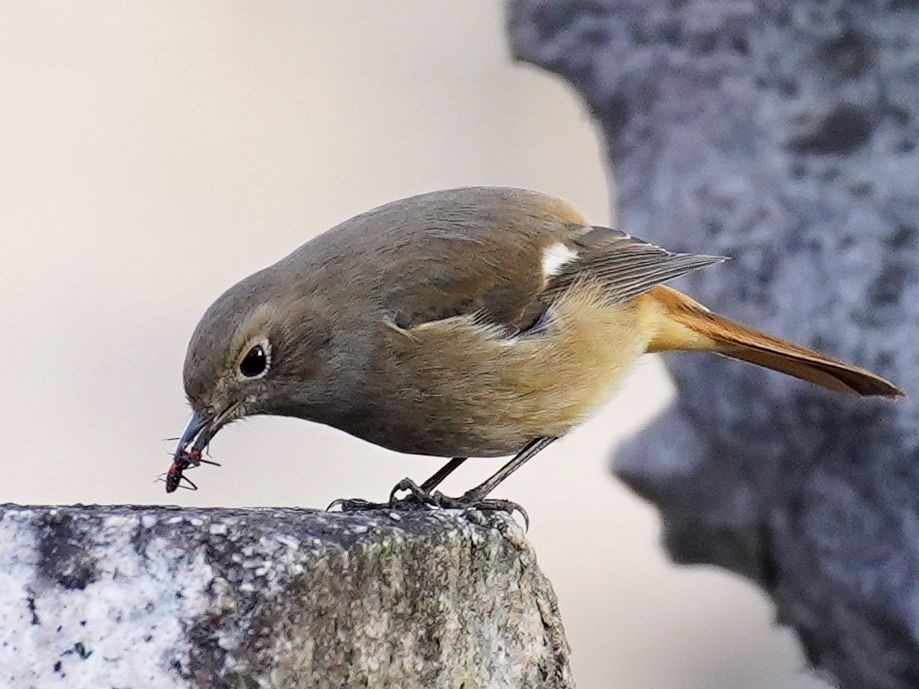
[468, 322]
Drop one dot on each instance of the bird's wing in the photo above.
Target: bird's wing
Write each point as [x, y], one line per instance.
[625, 265]
[503, 255]
[511, 284]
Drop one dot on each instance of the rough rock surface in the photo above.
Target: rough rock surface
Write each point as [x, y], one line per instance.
[135, 597]
[782, 134]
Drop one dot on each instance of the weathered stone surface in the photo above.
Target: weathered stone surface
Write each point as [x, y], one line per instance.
[782, 134]
[219, 598]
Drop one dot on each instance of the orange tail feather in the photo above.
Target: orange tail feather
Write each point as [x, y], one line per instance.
[687, 325]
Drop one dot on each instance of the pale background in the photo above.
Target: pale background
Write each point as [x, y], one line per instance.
[153, 153]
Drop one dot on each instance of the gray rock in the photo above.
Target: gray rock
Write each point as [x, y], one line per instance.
[218, 598]
[782, 134]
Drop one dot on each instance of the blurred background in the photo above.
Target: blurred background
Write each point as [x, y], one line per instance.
[151, 154]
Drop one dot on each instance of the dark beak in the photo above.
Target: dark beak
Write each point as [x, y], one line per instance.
[202, 427]
[193, 433]
[183, 458]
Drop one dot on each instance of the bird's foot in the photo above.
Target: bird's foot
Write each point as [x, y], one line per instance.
[415, 495]
[470, 502]
[417, 498]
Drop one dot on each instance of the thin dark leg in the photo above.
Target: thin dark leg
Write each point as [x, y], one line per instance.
[442, 473]
[475, 498]
[422, 493]
[482, 491]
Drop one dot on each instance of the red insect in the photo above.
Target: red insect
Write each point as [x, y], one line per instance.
[181, 462]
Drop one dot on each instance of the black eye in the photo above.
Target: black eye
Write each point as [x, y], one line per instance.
[255, 363]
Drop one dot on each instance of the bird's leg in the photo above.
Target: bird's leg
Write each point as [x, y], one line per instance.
[442, 473]
[417, 495]
[484, 489]
[477, 498]
[422, 494]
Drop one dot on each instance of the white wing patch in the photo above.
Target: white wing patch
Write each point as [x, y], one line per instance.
[556, 256]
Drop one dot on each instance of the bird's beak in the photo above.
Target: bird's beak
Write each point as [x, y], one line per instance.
[196, 424]
[201, 428]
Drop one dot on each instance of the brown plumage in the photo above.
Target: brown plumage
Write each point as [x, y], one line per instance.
[465, 322]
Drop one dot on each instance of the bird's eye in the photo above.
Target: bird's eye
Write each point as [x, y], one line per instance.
[255, 363]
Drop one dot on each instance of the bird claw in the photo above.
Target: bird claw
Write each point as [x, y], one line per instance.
[467, 503]
[418, 498]
[354, 505]
[416, 495]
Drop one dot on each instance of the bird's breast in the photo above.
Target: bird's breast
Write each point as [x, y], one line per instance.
[457, 387]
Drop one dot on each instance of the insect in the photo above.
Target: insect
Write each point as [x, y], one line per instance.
[181, 462]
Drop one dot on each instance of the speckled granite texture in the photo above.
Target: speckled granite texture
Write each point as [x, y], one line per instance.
[782, 134]
[134, 597]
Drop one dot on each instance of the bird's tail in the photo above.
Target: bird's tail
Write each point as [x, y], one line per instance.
[688, 325]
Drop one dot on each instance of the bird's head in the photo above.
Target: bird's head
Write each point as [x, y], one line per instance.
[257, 350]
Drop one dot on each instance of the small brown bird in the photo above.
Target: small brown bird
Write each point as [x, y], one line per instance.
[473, 322]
